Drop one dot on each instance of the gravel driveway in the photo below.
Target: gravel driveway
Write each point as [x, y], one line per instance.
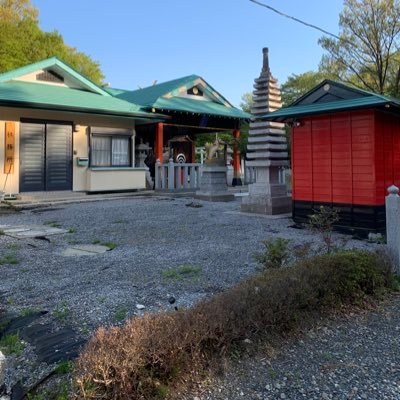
[164, 247]
[357, 357]
[154, 237]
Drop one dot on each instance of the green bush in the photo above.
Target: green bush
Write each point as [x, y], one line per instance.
[276, 253]
[147, 356]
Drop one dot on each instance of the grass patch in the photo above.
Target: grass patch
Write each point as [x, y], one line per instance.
[26, 312]
[181, 271]
[53, 223]
[110, 245]
[10, 259]
[161, 350]
[11, 344]
[120, 221]
[64, 367]
[120, 313]
[62, 311]
[14, 247]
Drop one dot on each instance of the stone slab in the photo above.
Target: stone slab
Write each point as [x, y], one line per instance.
[30, 231]
[215, 196]
[85, 250]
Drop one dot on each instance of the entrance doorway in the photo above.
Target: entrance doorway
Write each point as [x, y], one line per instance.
[45, 156]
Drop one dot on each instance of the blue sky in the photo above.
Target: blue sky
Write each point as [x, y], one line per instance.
[139, 41]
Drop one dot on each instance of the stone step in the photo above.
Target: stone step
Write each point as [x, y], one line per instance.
[266, 86]
[266, 131]
[267, 163]
[267, 97]
[267, 139]
[272, 90]
[268, 155]
[266, 124]
[263, 111]
[267, 146]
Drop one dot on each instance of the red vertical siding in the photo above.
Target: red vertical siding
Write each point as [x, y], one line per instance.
[342, 168]
[302, 162]
[333, 159]
[322, 159]
[387, 154]
[362, 135]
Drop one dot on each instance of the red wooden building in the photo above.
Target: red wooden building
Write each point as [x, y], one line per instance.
[345, 153]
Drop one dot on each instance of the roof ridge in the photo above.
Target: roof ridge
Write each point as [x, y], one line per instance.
[48, 62]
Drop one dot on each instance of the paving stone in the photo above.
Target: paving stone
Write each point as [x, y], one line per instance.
[30, 231]
[85, 250]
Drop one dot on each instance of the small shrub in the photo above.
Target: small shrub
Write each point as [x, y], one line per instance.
[11, 344]
[276, 254]
[158, 350]
[322, 222]
[72, 230]
[2, 233]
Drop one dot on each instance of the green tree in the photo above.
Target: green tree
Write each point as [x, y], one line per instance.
[23, 42]
[247, 102]
[367, 52]
[299, 84]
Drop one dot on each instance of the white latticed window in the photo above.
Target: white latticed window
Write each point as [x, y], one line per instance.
[109, 150]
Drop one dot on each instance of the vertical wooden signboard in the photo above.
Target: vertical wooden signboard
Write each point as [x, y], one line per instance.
[9, 148]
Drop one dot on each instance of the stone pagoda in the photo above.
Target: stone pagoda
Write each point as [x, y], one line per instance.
[266, 149]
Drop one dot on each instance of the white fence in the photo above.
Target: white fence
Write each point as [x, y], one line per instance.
[175, 177]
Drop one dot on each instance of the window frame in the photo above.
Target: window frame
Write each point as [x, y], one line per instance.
[112, 134]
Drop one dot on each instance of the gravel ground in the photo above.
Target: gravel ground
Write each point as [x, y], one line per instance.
[354, 357]
[154, 237]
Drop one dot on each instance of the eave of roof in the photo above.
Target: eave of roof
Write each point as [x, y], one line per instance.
[52, 97]
[321, 108]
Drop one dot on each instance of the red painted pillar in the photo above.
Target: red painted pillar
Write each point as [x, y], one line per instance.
[236, 181]
[159, 142]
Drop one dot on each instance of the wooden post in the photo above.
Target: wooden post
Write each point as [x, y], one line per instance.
[236, 181]
[159, 142]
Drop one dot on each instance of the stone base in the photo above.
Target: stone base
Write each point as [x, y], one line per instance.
[266, 205]
[223, 197]
[213, 185]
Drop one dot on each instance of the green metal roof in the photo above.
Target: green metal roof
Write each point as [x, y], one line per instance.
[57, 64]
[149, 95]
[166, 96]
[115, 91]
[199, 107]
[52, 97]
[371, 101]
